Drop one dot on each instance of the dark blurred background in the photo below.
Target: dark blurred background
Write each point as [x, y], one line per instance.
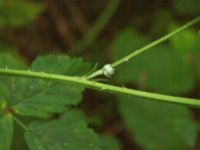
[37, 27]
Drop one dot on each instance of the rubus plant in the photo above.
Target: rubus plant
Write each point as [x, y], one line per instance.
[54, 84]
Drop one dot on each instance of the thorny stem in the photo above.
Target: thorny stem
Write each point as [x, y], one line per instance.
[143, 49]
[101, 86]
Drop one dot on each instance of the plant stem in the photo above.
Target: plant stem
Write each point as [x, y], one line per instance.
[160, 40]
[101, 86]
[154, 43]
[98, 26]
[19, 122]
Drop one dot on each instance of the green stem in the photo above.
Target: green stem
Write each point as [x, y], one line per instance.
[101, 86]
[160, 40]
[145, 48]
[97, 28]
[20, 123]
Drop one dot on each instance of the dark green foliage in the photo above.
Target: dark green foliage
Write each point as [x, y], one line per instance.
[40, 98]
[108, 143]
[17, 13]
[186, 6]
[159, 69]
[155, 125]
[6, 131]
[187, 46]
[39, 114]
[68, 132]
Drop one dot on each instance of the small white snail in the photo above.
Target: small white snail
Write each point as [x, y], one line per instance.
[108, 70]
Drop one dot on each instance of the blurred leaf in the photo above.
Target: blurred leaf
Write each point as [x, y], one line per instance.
[187, 46]
[6, 48]
[157, 126]
[160, 25]
[69, 132]
[185, 7]
[185, 42]
[6, 131]
[7, 60]
[157, 69]
[109, 143]
[17, 13]
[126, 41]
[96, 121]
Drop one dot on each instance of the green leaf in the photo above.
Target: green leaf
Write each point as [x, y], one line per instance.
[69, 132]
[10, 61]
[60, 64]
[186, 42]
[159, 69]
[187, 46]
[126, 41]
[185, 7]
[41, 98]
[109, 143]
[157, 126]
[6, 131]
[6, 83]
[17, 13]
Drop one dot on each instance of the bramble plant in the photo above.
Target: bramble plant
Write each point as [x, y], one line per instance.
[41, 99]
[58, 87]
